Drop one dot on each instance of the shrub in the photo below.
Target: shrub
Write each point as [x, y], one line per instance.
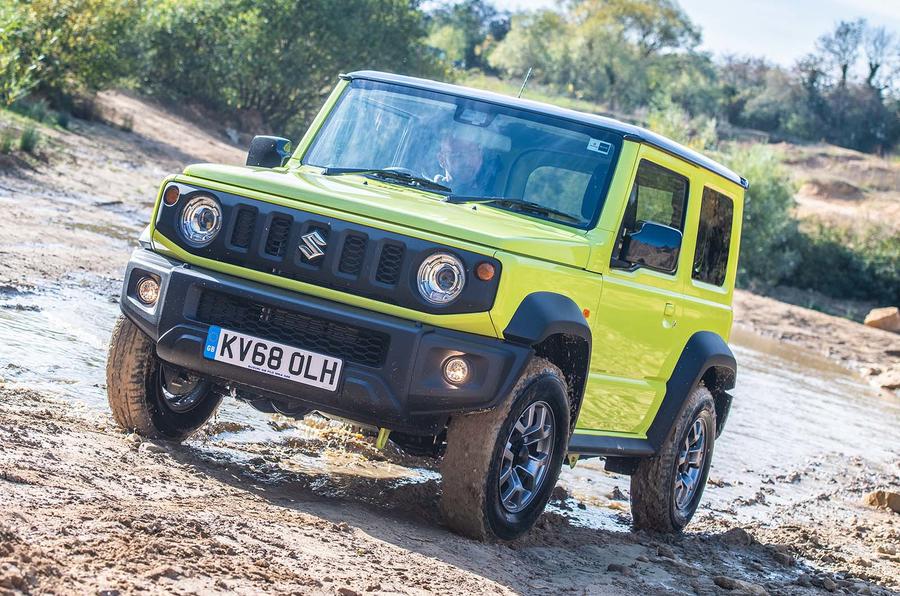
[860, 264]
[29, 139]
[6, 141]
[62, 118]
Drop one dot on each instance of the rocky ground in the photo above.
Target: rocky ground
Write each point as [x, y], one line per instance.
[270, 505]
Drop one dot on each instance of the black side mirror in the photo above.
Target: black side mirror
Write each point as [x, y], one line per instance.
[651, 245]
[268, 152]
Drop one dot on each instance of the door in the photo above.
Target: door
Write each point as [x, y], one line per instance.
[636, 336]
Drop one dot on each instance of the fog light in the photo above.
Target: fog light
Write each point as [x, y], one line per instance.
[148, 290]
[456, 370]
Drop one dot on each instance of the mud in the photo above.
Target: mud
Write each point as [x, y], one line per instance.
[254, 503]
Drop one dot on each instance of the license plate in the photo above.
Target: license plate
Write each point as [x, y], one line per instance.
[273, 358]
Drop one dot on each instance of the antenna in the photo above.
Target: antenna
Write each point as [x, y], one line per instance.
[525, 82]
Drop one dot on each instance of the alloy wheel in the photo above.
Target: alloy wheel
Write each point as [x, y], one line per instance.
[526, 456]
[691, 459]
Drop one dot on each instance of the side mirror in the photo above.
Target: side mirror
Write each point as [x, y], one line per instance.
[651, 245]
[268, 152]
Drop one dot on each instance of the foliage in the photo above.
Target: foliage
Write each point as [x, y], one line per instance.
[671, 120]
[29, 139]
[6, 141]
[275, 59]
[466, 31]
[848, 263]
[69, 45]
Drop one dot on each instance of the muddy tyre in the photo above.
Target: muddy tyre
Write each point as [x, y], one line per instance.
[666, 489]
[149, 397]
[500, 466]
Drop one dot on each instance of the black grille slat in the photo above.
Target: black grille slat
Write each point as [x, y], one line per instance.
[389, 264]
[279, 231]
[353, 255]
[348, 342]
[243, 228]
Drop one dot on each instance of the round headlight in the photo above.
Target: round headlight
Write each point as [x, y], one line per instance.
[201, 220]
[441, 278]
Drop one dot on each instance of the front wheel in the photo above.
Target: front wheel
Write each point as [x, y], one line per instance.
[148, 396]
[501, 466]
[666, 489]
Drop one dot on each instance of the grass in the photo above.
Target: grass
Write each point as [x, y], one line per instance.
[6, 141]
[29, 140]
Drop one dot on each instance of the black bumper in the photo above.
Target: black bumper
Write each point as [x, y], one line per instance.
[392, 373]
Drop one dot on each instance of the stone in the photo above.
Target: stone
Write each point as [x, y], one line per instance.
[664, 551]
[729, 583]
[737, 537]
[617, 568]
[883, 499]
[887, 318]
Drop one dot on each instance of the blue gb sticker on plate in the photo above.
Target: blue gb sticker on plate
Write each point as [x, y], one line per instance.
[212, 342]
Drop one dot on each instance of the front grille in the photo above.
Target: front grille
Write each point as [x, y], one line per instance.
[316, 249]
[351, 343]
[276, 241]
[243, 227]
[353, 255]
[389, 265]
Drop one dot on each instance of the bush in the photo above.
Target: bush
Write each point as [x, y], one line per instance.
[62, 119]
[29, 139]
[276, 59]
[848, 263]
[6, 141]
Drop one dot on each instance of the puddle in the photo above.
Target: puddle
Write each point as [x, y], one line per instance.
[792, 411]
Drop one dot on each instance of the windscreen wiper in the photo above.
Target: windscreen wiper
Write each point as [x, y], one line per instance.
[516, 205]
[390, 175]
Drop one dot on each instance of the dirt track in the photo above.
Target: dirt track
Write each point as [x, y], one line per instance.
[256, 504]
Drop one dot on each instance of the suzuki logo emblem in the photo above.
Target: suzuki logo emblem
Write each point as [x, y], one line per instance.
[312, 246]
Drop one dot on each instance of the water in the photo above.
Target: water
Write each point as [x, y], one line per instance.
[791, 410]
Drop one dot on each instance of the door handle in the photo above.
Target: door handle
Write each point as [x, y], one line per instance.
[669, 316]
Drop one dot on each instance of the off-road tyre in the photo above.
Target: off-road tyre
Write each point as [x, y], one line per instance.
[471, 503]
[653, 500]
[134, 390]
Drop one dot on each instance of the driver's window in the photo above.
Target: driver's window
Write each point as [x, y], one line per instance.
[658, 195]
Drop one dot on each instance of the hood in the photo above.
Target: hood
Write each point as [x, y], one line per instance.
[479, 224]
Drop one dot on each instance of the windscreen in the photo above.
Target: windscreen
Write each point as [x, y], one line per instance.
[475, 148]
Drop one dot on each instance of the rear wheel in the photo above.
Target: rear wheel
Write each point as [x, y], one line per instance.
[500, 466]
[150, 397]
[666, 489]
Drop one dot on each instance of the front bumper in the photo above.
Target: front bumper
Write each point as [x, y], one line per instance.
[392, 367]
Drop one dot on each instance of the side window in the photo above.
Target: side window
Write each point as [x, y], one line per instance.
[658, 195]
[713, 238]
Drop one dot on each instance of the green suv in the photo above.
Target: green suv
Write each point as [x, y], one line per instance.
[501, 283]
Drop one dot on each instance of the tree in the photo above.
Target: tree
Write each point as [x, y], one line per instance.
[878, 44]
[841, 46]
[654, 25]
[470, 24]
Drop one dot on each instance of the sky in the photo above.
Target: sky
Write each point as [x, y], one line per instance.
[780, 30]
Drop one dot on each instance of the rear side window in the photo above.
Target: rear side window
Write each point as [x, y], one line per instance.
[713, 237]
